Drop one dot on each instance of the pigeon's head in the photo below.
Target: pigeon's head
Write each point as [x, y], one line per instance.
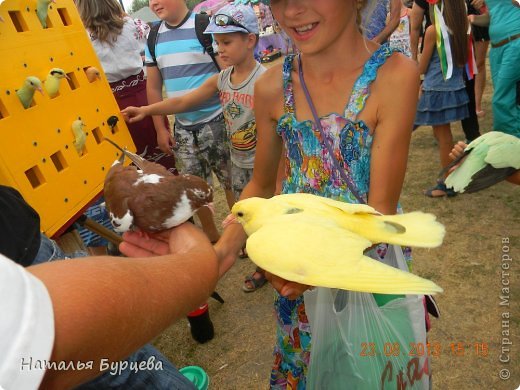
[199, 192]
[58, 73]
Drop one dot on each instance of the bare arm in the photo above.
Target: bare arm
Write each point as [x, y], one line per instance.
[106, 307]
[175, 104]
[392, 23]
[429, 47]
[397, 91]
[479, 20]
[416, 19]
[154, 84]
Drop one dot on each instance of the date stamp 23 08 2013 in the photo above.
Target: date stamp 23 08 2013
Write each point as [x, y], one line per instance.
[433, 349]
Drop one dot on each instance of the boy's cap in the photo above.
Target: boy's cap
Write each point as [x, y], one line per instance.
[233, 18]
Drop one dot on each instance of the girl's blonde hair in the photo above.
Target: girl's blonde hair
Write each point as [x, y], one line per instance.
[103, 18]
[455, 16]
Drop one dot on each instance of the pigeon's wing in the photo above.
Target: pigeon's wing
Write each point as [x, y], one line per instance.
[461, 177]
[487, 177]
[506, 155]
[320, 254]
[160, 205]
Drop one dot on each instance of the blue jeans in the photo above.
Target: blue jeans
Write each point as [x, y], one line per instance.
[163, 376]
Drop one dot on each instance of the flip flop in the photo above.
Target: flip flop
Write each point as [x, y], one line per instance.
[440, 186]
[252, 284]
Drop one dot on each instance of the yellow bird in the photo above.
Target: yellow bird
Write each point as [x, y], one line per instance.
[26, 93]
[80, 137]
[320, 242]
[52, 82]
[92, 74]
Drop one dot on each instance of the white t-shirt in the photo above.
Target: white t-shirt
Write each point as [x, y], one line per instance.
[123, 58]
[26, 327]
[237, 106]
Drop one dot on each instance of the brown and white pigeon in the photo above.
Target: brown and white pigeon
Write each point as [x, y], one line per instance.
[147, 197]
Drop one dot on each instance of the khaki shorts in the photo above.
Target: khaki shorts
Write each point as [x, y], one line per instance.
[202, 149]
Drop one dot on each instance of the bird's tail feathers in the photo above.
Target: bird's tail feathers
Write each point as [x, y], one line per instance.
[135, 158]
[414, 229]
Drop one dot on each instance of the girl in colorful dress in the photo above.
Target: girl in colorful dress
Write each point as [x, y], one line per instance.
[365, 97]
[443, 97]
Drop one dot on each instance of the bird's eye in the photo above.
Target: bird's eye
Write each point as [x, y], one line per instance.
[31, 83]
[240, 214]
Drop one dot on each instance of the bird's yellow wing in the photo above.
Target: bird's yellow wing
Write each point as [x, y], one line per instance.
[319, 202]
[306, 251]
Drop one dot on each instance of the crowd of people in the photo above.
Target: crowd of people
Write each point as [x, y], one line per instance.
[334, 120]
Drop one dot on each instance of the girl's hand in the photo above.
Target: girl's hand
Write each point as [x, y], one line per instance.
[456, 152]
[478, 4]
[286, 288]
[133, 114]
[165, 140]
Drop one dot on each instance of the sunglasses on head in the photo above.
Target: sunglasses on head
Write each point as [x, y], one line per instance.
[226, 20]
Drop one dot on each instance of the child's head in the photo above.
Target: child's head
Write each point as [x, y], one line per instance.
[314, 24]
[455, 17]
[235, 29]
[171, 11]
[104, 19]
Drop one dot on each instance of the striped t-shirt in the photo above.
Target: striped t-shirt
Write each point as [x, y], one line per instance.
[184, 67]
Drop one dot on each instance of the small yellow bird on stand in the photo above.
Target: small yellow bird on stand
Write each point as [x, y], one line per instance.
[29, 87]
[92, 74]
[42, 9]
[79, 135]
[317, 241]
[52, 82]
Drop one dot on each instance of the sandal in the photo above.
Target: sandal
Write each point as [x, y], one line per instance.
[441, 187]
[252, 284]
[243, 253]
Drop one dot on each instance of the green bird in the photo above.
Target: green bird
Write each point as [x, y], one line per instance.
[26, 93]
[52, 82]
[321, 242]
[80, 137]
[42, 9]
[487, 160]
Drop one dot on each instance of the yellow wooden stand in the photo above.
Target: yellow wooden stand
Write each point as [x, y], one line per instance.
[37, 155]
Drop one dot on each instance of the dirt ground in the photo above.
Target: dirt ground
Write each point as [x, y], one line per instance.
[472, 330]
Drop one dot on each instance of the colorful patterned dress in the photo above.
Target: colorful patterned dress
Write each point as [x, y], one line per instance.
[309, 169]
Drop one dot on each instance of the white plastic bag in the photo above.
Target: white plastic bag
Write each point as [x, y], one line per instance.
[357, 344]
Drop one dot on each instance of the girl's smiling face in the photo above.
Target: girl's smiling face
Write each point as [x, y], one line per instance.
[314, 24]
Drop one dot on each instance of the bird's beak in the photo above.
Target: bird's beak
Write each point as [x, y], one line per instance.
[67, 77]
[40, 89]
[211, 208]
[2, 19]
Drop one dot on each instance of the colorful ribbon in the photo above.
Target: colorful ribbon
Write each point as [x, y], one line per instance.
[443, 41]
[471, 65]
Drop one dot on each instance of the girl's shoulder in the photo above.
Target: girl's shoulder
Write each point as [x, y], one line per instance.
[269, 90]
[271, 79]
[398, 71]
